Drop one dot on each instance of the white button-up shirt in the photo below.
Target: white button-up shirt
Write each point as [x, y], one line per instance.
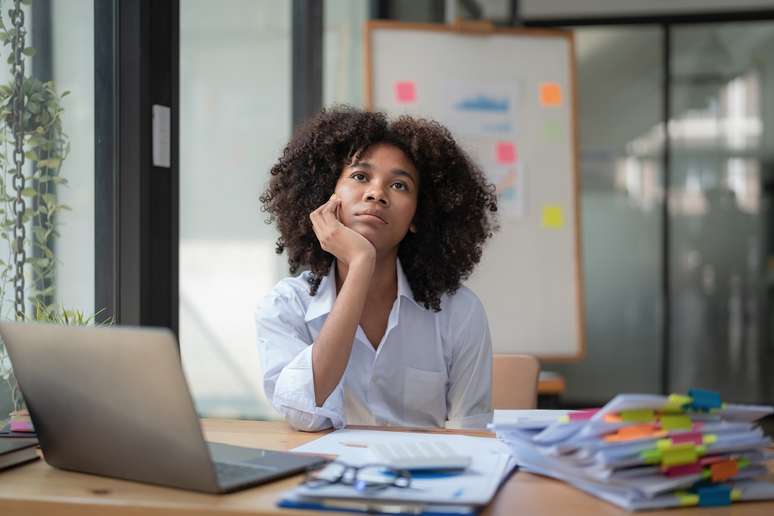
[430, 368]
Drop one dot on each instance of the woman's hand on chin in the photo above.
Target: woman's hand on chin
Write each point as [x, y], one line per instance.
[347, 245]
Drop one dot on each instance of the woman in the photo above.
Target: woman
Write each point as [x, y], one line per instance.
[389, 218]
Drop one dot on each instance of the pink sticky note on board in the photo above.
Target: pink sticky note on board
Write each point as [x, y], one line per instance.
[405, 91]
[506, 152]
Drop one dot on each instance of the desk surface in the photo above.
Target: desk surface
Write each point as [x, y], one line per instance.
[37, 488]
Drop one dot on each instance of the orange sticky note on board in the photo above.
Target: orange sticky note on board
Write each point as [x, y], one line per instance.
[550, 94]
[405, 91]
[506, 152]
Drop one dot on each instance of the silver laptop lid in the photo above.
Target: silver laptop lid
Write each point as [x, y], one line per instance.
[111, 401]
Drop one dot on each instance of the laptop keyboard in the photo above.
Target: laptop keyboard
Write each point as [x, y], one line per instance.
[228, 472]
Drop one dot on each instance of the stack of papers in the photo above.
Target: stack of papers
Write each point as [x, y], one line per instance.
[647, 451]
[461, 492]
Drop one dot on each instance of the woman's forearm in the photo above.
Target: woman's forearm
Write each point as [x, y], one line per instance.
[333, 346]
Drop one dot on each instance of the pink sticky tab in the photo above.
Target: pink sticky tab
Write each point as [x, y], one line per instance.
[21, 426]
[687, 437]
[506, 152]
[405, 91]
[685, 469]
[582, 415]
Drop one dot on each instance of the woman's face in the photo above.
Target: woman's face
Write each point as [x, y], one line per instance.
[378, 193]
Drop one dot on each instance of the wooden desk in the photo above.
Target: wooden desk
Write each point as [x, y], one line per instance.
[38, 489]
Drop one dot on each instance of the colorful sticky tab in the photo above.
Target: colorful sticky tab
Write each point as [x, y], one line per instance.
[583, 415]
[709, 439]
[631, 433]
[553, 216]
[675, 422]
[611, 418]
[506, 153]
[714, 496]
[721, 471]
[550, 94]
[704, 399]
[637, 416]
[681, 471]
[687, 437]
[21, 426]
[405, 92]
[651, 456]
[676, 403]
[687, 499]
[678, 455]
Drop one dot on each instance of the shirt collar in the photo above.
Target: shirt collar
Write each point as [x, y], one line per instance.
[322, 302]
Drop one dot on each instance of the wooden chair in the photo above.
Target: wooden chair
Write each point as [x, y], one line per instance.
[514, 381]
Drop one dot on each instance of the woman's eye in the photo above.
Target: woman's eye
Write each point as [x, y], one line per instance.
[399, 186]
[358, 176]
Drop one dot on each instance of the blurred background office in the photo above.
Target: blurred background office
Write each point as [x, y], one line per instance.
[675, 119]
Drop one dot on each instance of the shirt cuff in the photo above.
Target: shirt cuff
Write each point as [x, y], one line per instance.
[294, 397]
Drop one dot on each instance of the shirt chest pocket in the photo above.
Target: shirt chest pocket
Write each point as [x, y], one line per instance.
[424, 397]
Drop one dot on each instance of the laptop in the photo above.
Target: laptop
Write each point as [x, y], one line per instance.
[115, 402]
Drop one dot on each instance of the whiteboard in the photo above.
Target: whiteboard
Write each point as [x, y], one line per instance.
[508, 97]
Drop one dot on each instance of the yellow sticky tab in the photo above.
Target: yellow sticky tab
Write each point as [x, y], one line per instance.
[736, 494]
[552, 216]
[678, 455]
[564, 419]
[686, 498]
[663, 444]
[677, 422]
[676, 402]
[709, 438]
[637, 416]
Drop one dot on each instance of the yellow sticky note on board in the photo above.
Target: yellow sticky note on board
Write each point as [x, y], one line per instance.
[553, 216]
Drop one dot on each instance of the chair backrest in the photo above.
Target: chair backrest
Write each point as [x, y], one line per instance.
[514, 381]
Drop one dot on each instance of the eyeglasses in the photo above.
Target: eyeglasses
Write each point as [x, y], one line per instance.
[365, 478]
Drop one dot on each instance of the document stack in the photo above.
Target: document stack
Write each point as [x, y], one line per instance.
[648, 452]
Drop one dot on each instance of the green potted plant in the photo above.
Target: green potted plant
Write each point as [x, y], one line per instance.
[33, 147]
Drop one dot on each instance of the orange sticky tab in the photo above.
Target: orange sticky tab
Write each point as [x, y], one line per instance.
[612, 418]
[550, 94]
[724, 470]
[630, 433]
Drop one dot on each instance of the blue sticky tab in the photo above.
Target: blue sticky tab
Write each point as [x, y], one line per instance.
[704, 399]
[714, 496]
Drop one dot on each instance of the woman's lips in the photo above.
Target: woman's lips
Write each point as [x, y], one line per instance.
[371, 217]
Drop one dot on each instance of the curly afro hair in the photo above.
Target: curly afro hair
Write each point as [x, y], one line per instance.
[455, 207]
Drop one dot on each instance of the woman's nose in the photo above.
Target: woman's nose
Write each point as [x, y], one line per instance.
[377, 195]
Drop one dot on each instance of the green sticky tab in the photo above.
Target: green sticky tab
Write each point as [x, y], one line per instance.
[651, 456]
[709, 438]
[676, 422]
[679, 455]
[685, 498]
[676, 403]
[637, 416]
[742, 463]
